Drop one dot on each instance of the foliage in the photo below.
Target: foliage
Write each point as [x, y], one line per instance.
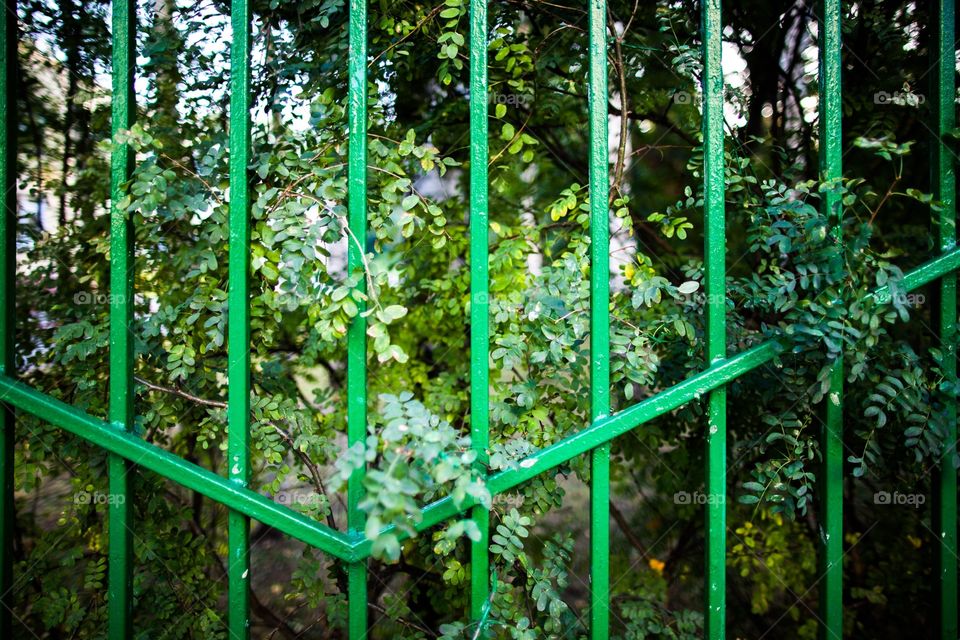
[795, 273]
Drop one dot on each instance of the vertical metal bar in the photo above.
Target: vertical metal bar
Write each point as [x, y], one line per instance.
[944, 190]
[8, 252]
[357, 332]
[479, 296]
[715, 280]
[600, 542]
[238, 329]
[599, 322]
[831, 499]
[122, 271]
[831, 480]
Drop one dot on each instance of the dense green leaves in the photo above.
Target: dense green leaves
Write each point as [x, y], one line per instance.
[787, 277]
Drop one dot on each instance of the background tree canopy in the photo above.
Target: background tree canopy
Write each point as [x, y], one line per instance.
[417, 271]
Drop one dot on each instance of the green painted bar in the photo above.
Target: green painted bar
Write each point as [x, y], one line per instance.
[357, 332]
[217, 488]
[831, 518]
[122, 271]
[599, 322]
[943, 181]
[926, 273]
[357, 598]
[238, 327]
[8, 253]
[479, 296]
[714, 238]
[600, 542]
[831, 478]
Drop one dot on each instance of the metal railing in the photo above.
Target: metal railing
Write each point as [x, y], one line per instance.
[351, 546]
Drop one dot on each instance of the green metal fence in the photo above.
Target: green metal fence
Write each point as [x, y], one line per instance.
[351, 547]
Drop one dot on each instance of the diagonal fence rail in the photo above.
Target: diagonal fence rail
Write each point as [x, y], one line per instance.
[352, 547]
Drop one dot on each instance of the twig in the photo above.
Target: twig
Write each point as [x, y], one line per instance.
[433, 12]
[883, 200]
[371, 288]
[312, 467]
[302, 456]
[628, 533]
[624, 117]
[181, 393]
[406, 623]
[195, 175]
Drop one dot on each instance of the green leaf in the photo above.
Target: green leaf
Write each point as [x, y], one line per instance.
[386, 547]
[688, 287]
